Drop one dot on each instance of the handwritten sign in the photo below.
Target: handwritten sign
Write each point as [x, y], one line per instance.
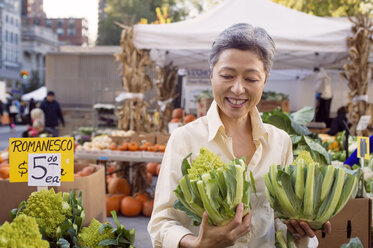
[44, 169]
[363, 147]
[47, 161]
[363, 123]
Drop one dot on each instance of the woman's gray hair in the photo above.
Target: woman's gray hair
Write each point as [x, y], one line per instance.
[245, 37]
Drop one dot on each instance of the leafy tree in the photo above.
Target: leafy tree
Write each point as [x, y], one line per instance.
[130, 12]
[334, 8]
[34, 82]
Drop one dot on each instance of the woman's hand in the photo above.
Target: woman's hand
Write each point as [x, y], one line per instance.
[302, 228]
[219, 236]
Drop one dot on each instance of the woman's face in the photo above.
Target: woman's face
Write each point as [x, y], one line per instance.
[238, 79]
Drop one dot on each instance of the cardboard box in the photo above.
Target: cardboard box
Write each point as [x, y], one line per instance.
[93, 190]
[12, 194]
[203, 106]
[353, 221]
[92, 187]
[269, 105]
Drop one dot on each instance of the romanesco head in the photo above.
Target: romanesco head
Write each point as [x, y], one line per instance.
[49, 209]
[306, 156]
[23, 232]
[205, 162]
[91, 237]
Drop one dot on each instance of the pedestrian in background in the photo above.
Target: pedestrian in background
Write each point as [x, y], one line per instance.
[31, 106]
[52, 112]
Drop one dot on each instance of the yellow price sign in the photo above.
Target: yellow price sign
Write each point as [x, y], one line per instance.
[23, 149]
[363, 147]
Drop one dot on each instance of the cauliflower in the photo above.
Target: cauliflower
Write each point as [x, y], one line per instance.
[90, 236]
[49, 209]
[23, 232]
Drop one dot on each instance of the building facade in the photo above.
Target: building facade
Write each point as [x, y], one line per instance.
[70, 31]
[33, 8]
[37, 41]
[10, 41]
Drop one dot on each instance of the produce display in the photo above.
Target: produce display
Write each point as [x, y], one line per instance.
[308, 191]
[49, 219]
[295, 125]
[214, 186]
[179, 116]
[276, 96]
[4, 164]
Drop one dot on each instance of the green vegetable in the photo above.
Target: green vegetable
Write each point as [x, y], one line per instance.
[60, 217]
[280, 240]
[213, 186]
[90, 236]
[23, 232]
[354, 243]
[309, 192]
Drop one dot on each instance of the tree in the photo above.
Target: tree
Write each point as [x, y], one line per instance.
[130, 12]
[34, 82]
[334, 8]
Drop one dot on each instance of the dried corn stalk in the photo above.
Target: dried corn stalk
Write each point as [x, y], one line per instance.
[357, 71]
[165, 85]
[139, 179]
[133, 115]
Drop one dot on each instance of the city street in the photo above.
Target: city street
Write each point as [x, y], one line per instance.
[6, 133]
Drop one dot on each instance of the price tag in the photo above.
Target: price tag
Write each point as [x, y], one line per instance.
[363, 147]
[29, 155]
[44, 169]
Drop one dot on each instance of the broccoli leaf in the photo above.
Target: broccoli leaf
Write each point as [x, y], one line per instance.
[196, 219]
[185, 166]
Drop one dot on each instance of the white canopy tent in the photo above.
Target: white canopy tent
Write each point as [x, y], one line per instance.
[38, 94]
[303, 41]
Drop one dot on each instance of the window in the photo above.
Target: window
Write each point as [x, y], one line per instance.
[60, 31]
[6, 35]
[37, 21]
[71, 32]
[11, 20]
[48, 22]
[16, 38]
[11, 37]
[71, 22]
[59, 23]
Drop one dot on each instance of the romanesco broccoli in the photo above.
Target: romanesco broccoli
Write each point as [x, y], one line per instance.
[23, 232]
[90, 236]
[205, 162]
[304, 155]
[49, 209]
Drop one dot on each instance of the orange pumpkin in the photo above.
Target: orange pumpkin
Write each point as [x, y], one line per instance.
[158, 169]
[112, 203]
[177, 113]
[119, 185]
[189, 118]
[123, 147]
[4, 172]
[87, 171]
[130, 206]
[147, 208]
[113, 147]
[161, 148]
[119, 197]
[175, 120]
[149, 177]
[4, 165]
[133, 146]
[151, 167]
[142, 197]
[151, 149]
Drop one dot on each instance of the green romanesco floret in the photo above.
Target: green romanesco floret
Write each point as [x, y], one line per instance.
[23, 232]
[304, 155]
[205, 162]
[90, 236]
[49, 209]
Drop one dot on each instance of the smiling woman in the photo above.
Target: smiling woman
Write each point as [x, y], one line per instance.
[240, 61]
